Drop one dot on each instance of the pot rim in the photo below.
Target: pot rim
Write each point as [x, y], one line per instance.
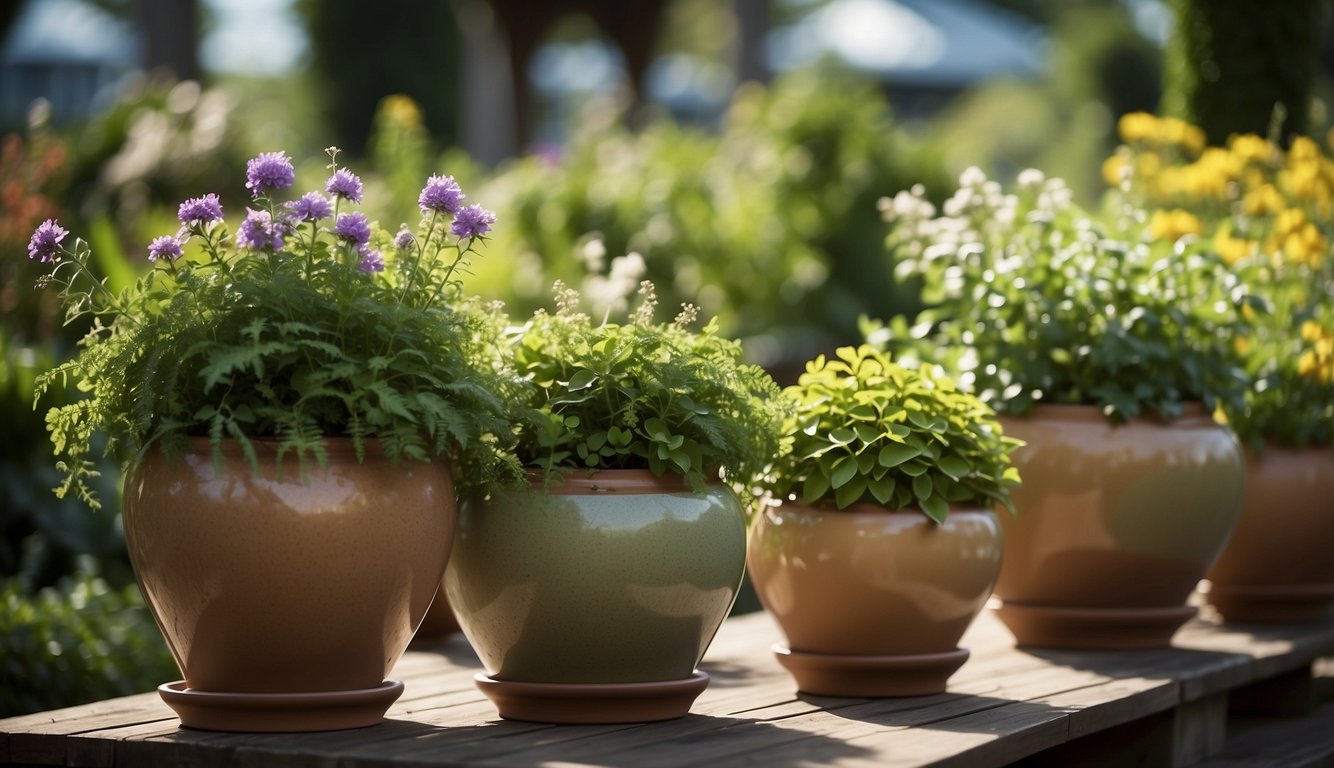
[870, 508]
[1191, 411]
[580, 482]
[340, 446]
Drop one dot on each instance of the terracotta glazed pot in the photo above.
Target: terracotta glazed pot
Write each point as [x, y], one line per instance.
[593, 600]
[1278, 566]
[286, 602]
[439, 622]
[1116, 525]
[873, 602]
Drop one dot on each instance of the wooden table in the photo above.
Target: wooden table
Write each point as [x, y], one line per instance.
[1158, 707]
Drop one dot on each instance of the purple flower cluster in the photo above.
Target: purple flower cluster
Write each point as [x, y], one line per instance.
[354, 228]
[200, 210]
[311, 206]
[404, 238]
[344, 184]
[441, 195]
[473, 221]
[371, 260]
[268, 172]
[259, 231]
[45, 243]
[164, 247]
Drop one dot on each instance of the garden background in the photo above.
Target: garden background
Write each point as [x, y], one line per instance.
[733, 152]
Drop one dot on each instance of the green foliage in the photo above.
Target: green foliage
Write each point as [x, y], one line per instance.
[1032, 300]
[641, 395]
[79, 641]
[1230, 64]
[768, 227]
[293, 343]
[867, 429]
[1267, 213]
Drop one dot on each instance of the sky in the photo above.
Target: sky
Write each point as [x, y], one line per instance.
[253, 37]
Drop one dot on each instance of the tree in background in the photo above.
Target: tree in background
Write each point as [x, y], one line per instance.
[1231, 63]
[417, 54]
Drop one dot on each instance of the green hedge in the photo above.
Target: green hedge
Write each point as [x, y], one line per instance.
[78, 641]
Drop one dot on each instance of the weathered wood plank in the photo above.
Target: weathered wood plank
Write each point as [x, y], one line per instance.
[1299, 742]
[1003, 705]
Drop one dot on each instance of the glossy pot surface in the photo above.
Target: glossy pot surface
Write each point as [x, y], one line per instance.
[1113, 517]
[1278, 566]
[265, 583]
[869, 581]
[611, 578]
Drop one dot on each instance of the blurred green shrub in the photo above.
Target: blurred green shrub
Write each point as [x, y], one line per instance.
[771, 225]
[81, 640]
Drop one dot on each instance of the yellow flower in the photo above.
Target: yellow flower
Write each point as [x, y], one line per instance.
[1311, 364]
[1231, 249]
[1242, 344]
[1249, 148]
[1172, 130]
[1174, 224]
[1317, 362]
[402, 110]
[1137, 126]
[1262, 201]
[1306, 246]
[1303, 151]
[1113, 169]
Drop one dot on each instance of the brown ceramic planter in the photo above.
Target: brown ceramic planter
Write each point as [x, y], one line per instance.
[872, 602]
[1278, 566]
[1115, 527]
[287, 596]
[593, 600]
[439, 623]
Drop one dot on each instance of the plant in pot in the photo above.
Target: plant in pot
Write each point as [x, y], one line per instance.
[592, 591]
[1267, 213]
[883, 544]
[1106, 344]
[289, 400]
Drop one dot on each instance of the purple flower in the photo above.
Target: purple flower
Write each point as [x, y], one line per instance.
[259, 231]
[164, 247]
[371, 260]
[473, 221]
[200, 210]
[269, 171]
[311, 206]
[403, 239]
[344, 184]
[45, 243]
[441, 194]
[353, 228]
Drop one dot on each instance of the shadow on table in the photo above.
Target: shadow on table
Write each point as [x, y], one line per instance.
[690, 741]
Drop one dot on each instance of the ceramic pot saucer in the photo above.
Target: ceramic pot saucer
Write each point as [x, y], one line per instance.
[1270, 603]
[588, 703]
[1047, 626]
[831, 674]
[280, 712]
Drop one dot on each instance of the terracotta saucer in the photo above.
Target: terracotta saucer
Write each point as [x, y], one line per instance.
[830, 674]
[280, 712]
[587, 703]
[1271, 603]
[1047, 626]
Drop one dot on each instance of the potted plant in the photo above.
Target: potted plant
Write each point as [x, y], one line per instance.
[1106, 343]
[1267, 213]
[883, 543]
[591, 592]
[289, 399]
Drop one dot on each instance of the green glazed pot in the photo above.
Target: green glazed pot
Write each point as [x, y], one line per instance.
[615, 577]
